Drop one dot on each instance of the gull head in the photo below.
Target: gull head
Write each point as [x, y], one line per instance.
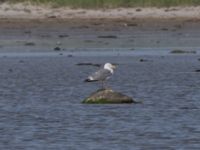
[109, 67]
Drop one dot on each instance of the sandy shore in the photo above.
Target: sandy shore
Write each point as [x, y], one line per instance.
[27, 28]
[28, 11]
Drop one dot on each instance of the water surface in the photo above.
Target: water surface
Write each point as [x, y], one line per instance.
[40, 103]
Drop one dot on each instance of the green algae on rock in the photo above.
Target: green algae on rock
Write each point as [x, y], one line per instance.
[107, 96]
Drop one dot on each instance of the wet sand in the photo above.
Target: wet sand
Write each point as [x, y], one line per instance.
[52, 34]
[27, 28]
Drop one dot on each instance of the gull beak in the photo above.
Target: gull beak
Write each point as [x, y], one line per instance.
[114, 66]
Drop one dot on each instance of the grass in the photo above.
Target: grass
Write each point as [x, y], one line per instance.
[113, 3]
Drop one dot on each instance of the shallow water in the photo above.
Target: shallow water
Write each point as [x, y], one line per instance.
[40, 103]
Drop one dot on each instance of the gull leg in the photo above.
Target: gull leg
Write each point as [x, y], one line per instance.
[103, 84]
[106, 86]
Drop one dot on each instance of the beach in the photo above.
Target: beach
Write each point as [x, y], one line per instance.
[29, 11]
[28, 28]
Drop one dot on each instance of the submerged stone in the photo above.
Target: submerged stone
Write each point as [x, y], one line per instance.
[107, 96]
[179, 51]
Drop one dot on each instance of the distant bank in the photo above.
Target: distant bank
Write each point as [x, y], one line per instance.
[111, 3]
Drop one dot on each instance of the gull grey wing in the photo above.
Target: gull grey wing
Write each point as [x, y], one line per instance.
[101, 74]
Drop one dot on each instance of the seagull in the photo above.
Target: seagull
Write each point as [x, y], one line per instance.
[102, 74]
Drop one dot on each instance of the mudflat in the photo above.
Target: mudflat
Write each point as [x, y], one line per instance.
[53, 34]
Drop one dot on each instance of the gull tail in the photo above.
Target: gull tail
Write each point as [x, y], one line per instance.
[89, 80]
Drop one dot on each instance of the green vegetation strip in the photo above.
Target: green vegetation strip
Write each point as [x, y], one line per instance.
[112, 3]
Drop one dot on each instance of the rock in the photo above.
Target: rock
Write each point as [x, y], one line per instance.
[107, 96]
[132, 24]
[143, 60]
[88, 64]
[27, 32]
[198, 70]
[29, 44]
[164, 29]
[179, 51]
[21, 61]
[52, 16]
[108, 36]
[138, 9]
[70, 55]
[63, 35]
[57, 49]
[178, 26]
[10, 70]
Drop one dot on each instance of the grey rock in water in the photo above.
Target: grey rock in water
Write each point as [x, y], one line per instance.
[107, 96]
